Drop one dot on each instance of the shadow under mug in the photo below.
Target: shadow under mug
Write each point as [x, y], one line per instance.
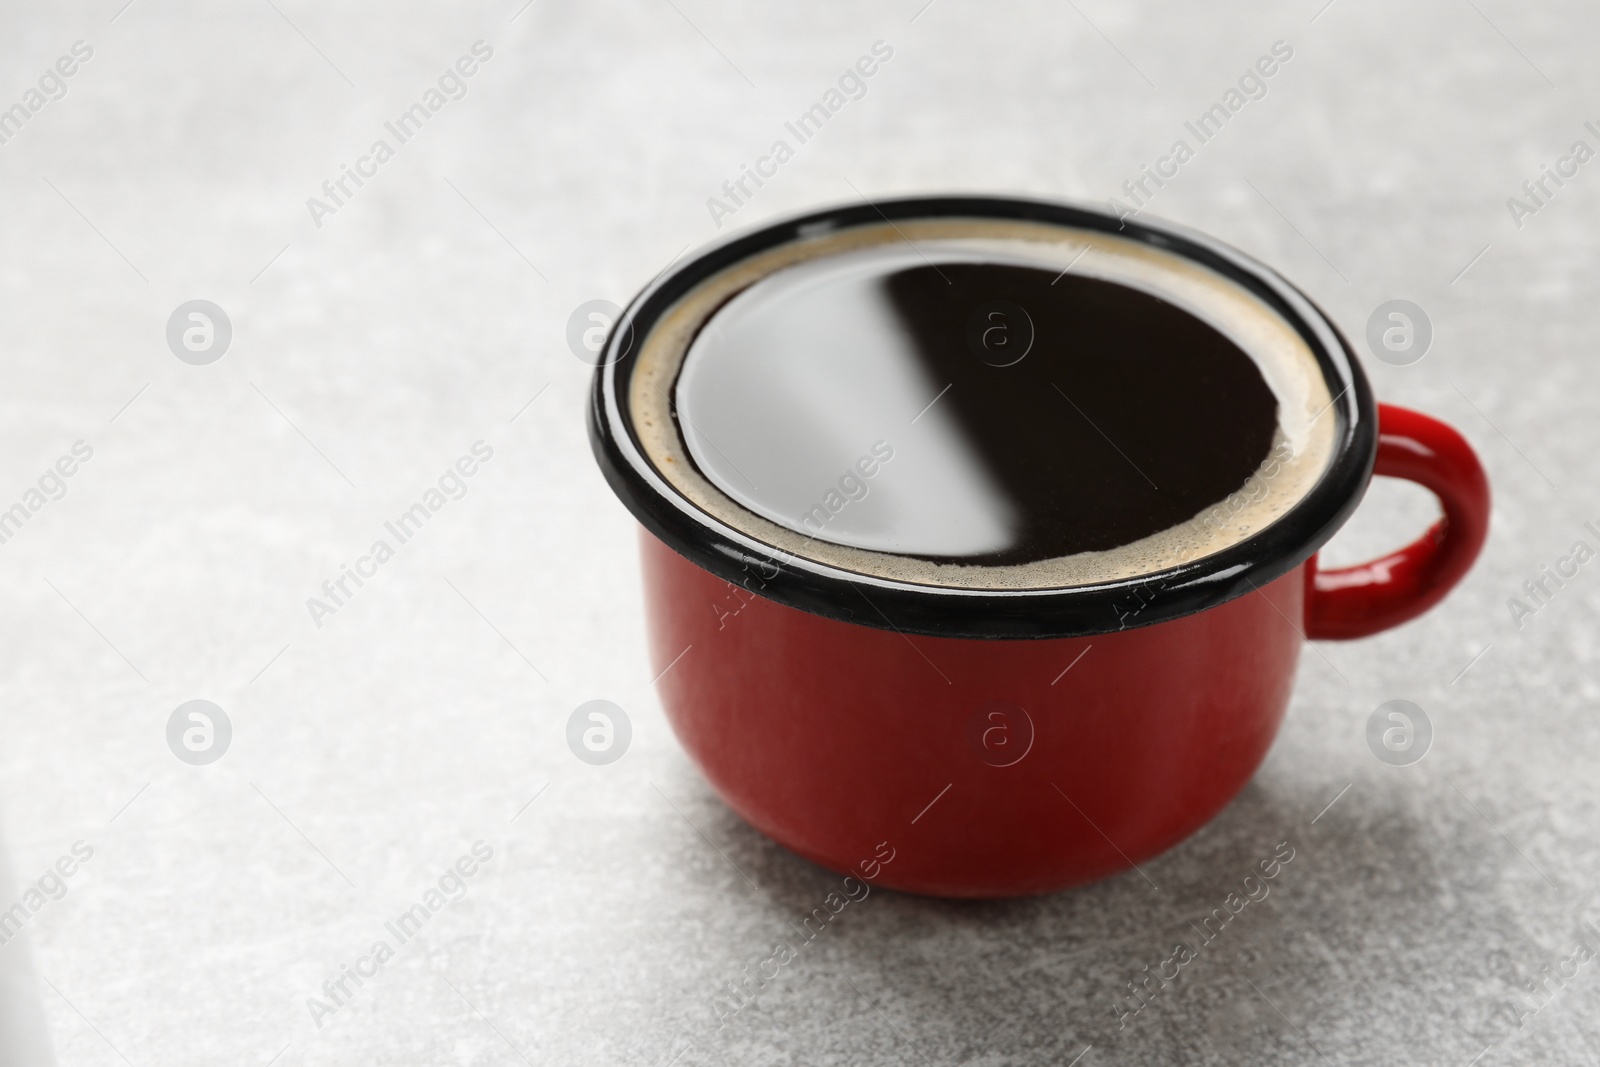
[1002, 743]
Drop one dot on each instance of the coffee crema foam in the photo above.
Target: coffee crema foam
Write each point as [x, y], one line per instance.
[683, 342]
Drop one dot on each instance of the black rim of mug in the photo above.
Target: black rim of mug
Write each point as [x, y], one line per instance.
[943, 611]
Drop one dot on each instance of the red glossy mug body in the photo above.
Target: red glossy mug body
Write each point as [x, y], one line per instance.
[1016, 746]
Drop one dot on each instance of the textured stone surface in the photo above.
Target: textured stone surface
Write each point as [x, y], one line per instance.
[372, 351]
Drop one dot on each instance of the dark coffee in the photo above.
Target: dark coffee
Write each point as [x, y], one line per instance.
[1126, 416]
[953, 403]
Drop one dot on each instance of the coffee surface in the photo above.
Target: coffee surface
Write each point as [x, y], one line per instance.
[1126, 416]
[981, 404]
[978, 412]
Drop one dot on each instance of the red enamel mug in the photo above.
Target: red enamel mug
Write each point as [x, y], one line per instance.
[1009, 742]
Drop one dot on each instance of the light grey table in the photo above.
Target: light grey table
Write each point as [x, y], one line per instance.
[377, 337]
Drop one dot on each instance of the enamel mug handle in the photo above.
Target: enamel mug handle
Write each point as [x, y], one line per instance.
[1357, 601]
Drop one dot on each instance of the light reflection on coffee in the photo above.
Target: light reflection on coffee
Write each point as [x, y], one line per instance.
[1048, 426]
